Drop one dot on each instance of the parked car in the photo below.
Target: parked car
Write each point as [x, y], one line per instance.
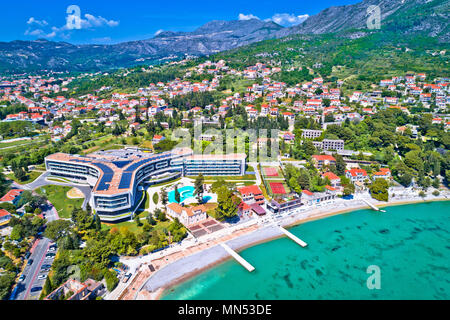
[30, 262]
[42, 277]
[22, 277]
[126, 278]
[36, 289]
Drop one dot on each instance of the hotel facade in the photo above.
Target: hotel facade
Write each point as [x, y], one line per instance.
[117, 176]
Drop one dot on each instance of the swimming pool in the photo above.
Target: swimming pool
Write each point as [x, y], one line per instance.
[185, 193]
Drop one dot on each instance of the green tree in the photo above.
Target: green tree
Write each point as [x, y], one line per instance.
[57, 229]
[379, 190]
[98, 224]
[227, 206]
[151, 220]
[199, 189]
[111, 280]
[164, 196]
[177, 195]
[340, 165]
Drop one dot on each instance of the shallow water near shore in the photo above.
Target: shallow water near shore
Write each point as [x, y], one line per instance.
[410, 244]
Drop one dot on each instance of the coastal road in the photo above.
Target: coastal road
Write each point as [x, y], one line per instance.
[33, 271]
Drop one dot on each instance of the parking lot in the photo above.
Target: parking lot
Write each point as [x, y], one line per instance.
[36, 271]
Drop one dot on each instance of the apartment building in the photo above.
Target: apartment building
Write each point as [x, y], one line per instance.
[327, 145]
[311, 134]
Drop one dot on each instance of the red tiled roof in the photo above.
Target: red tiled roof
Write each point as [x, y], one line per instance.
[250, 190]
[324, 158]
[4, 213]
[330, 175]
[243, 206]
[11, 195]
[354, 172]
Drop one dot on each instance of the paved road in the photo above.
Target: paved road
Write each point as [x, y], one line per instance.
[38, 256]
[42, 181]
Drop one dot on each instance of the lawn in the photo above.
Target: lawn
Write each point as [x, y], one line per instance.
[132, 226]
[57, 196]
[33, 175]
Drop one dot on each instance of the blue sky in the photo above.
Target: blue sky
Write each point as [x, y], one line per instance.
[115, 21]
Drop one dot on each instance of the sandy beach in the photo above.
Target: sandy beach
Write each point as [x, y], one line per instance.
[187, 265]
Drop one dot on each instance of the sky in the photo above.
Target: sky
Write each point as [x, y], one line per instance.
[114, 21]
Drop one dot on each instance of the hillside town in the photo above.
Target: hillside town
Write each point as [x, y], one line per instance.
[97, 161]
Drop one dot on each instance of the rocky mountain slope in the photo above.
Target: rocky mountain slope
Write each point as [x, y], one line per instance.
[398, 17]
[211, 38]
[425, 17]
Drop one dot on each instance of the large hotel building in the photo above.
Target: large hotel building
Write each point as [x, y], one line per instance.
[116, 176]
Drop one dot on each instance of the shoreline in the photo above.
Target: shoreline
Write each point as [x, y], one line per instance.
[264, 235]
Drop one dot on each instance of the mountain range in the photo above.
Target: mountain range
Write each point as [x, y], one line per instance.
[409, 17]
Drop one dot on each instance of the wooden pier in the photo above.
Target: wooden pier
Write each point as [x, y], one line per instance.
[238, 258]
[293, 237]
[372, 206]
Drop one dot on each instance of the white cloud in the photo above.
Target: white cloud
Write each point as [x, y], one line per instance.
[288, 20]
[89, 22]
[37, 32]
[41, 23]
[40, 33]
[247, 16]
[102, 40]
[93, 21]
[158, 32]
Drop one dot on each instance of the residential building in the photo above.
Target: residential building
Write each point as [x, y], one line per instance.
[75, 290]
[187, 216]
[323, 160]
[384, 173]
[282, 205]
[13, 196]
[330, 145]
[356, 175]
[244, 210]
[5, 216]
[157, 139]
[311, 134]
[334, 179]
[252, 194]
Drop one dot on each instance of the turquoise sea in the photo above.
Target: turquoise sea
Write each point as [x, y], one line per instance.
[410, 244]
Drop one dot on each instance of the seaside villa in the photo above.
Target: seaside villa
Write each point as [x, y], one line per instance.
[384, 173]
[187, 216]
[252, 194]
[356, 175]
[117, 176]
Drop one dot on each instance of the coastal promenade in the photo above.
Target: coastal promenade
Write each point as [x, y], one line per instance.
[183, 261]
